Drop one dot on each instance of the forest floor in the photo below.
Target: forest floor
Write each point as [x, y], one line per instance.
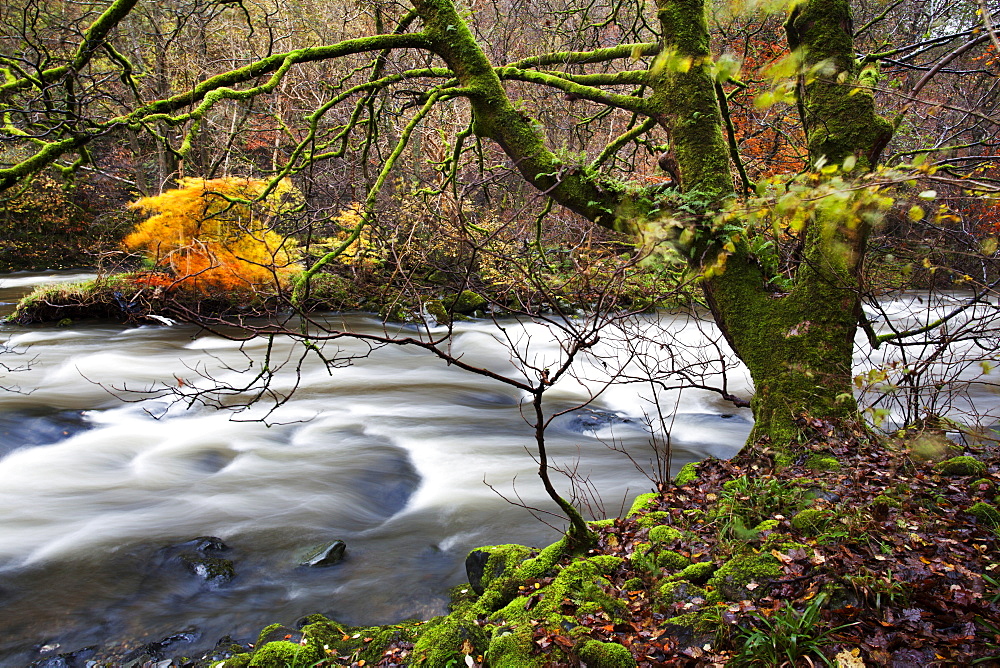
[858, 552]
[896, 563]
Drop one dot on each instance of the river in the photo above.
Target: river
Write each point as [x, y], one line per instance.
[400, 455]
[411, 461]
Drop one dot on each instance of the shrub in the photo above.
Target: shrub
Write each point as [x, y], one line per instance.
[217, 233]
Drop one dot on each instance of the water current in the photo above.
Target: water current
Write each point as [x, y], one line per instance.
[405, 458]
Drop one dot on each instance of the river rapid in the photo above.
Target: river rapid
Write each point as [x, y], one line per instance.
[410, 461]
[400, 455]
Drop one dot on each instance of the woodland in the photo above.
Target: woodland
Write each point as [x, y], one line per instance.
[782, 167]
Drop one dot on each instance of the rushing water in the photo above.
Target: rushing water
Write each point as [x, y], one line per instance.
[395, 454]
[400, 455]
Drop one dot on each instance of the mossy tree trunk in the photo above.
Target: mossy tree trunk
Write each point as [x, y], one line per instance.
[798, 346]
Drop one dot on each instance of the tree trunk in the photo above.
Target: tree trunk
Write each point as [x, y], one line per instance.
[799, 346]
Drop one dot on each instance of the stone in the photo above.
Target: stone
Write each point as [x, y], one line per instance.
[199, 557]
[326, 556]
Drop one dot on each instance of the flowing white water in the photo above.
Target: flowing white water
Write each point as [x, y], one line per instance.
[395, 454]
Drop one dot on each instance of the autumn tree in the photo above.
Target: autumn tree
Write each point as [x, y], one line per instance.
[217, 234]
[621, 113]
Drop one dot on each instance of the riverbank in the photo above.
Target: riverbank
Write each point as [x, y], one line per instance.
[150, 295]
[858, 553]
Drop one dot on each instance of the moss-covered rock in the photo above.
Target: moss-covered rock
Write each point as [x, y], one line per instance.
[435, 308]
[687, 474]
[697, 573]
[485, 564]
[963, 465]
[746, 576]
[811, 520]
[597, 654]
[678, 591]
[984, 485]
[822, 463]
[284, 654]
[664, 534]
[449, 639]
[582, 581]
[885, 501]
[651, 519]
[654, 561]
[986, 514]
[643, 503]
[465, 302]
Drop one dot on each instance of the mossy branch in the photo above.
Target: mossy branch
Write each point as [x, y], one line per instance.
[208, 92]
[586, 57]
[565, 84]
[302, 282]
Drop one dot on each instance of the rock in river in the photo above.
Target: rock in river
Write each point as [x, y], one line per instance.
[327, 555]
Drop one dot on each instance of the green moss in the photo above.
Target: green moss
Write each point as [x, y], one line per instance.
[766, 525]
[513, 650]
[687, 474]
[811, 520]
[461, 596]
[464, 302]
[649, 559]
[581, 581]
[284, 654]
[983, 482]
[883, 500]
[601, 523]
[963, 465]
[597, 654]
[664, 534]
[437, 309]
[697, 573]
[500, 560]
[651, 520]
[678, 591]
[442, 640]
[643, 502]
[510, 569]
[821, 463]
[267, 633]
[986, 514]
[746, 576]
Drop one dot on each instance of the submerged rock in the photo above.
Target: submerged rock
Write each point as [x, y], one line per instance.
[162, 652]
[78, 659]
[589, 419]
[199, 557]
[26, 429]
[327, 555]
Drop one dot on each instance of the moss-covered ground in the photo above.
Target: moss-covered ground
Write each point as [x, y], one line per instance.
[889, 559]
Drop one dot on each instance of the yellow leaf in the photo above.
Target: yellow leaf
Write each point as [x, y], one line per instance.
[850, 659]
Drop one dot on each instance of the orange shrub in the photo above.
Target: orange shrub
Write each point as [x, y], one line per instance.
[215, 233]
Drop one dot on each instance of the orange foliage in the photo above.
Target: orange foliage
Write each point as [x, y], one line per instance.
[770, 137]
[213, 234]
